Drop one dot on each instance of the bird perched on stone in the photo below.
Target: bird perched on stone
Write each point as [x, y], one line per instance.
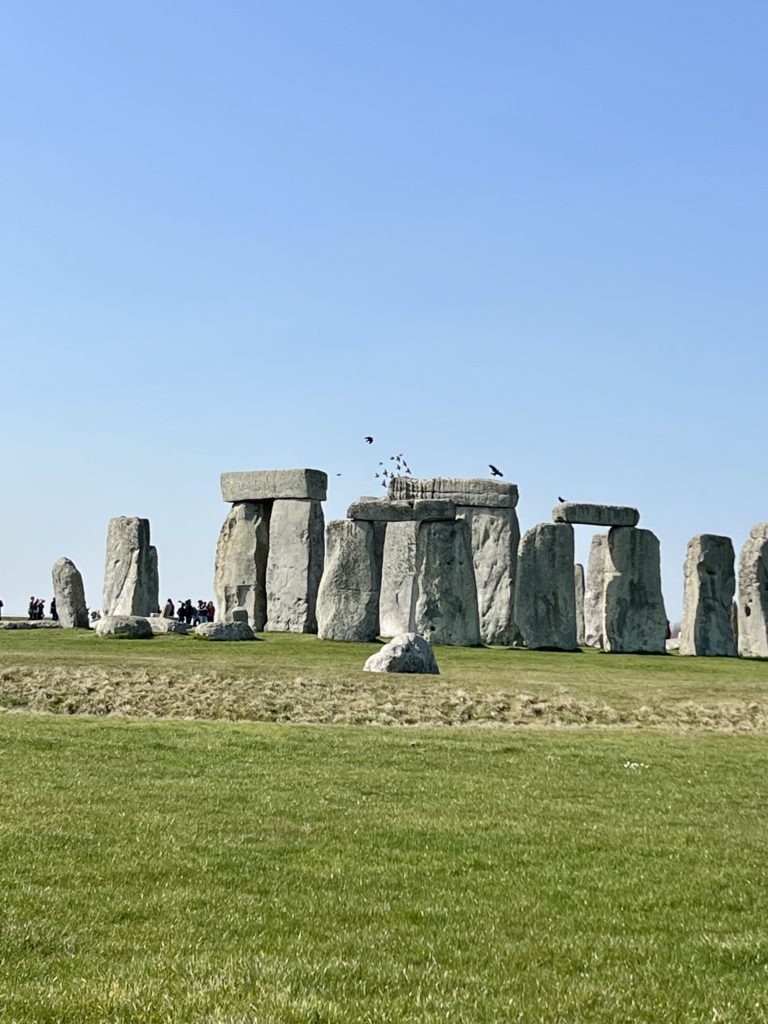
[494, 470]
[368, 439]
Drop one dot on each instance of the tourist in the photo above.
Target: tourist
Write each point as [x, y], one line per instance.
[169, 610]
[1, 611]
[54, 613]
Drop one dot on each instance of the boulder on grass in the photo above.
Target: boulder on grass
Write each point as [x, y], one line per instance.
[224, 631]
[407, 652]
[124, 627]
[159, 624]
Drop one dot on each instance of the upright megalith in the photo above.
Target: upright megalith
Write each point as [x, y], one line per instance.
[240, 578]
[753, 594]
[348, 598]
[130, 570]
[495, 537]
[294, 565]
[398, 579]
[445, 596]
[69, 593]
[710, 583]
[545, 599]
[594, 591]
[269, 559]
[578, 587]
[634, 619]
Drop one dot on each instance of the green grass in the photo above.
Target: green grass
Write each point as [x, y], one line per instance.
[190, 872]
[289, 678]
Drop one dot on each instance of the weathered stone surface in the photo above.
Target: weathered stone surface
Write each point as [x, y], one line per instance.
[34, 624]
[710, 583]
[348, 598]
[545, 600]
[594, 595]
[578, 586]
[153, 580]
[69, 593]
[159, 624]
[223, 631]
[294, 566]
[130, 570]
[753, 594]
[595, 515]
[434, 509]
[634, 619]
[495, 536]
[407, 652]
[380, 510]
[124, 627]
[445, 605]
[398, 579]
[270, 484]
[240, 575]
[482, 492]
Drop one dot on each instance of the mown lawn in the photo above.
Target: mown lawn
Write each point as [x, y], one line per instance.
[289, 678]
[188, 872]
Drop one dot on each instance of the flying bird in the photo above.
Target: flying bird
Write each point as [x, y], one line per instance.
[368, 439]
[494, 470]
[561, 500]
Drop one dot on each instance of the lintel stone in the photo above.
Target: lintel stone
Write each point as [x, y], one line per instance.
[273, 484]
[595, 515]
[476, 491]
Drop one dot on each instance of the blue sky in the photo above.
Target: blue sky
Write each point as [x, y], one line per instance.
[243, 235]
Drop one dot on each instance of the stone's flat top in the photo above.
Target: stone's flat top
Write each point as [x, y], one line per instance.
[476, 491]
[380, 510]
[270, 484]
[388, 510]
[595, 515]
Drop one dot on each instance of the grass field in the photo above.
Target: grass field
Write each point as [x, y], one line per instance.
[289, 678]
[606, 863]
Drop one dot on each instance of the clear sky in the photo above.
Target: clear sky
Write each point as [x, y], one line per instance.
[242, 235]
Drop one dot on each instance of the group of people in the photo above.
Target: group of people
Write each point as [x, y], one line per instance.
[36, 610]
[187, 612]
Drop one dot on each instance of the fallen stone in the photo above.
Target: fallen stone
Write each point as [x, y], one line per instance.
[634, 619]
[672, 644]
[495, 535]
[445, 604]
[753, 594]
[223, 631]
[398, 579]
[407, 652]
[709, 587]
[578, 585]
[594, 591]
[130, 570]
[69, 593]
[124, 627]
[348, 598]
[240, 575]
[159, 624]
[545, 599]
[27, 624]
[482, 492]
[595, 515]
[294, 566]
[271, 484]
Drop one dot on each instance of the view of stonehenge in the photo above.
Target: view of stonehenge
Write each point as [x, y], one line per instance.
[441, 558]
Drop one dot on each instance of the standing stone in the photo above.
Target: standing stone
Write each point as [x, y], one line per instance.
[130, 571]
[69, 593]
[240, 577]
[445, 604]
[578, 586]
[545, 600]
[495, 537]
[753, 594]
[153, 580]
[634, 619]
[708, 597]
[735, 622]
[594, 591]
[398, 579]
[348, 598]
[294, 565]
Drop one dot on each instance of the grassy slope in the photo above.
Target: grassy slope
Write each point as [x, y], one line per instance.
[299, 678]
[189, 872]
